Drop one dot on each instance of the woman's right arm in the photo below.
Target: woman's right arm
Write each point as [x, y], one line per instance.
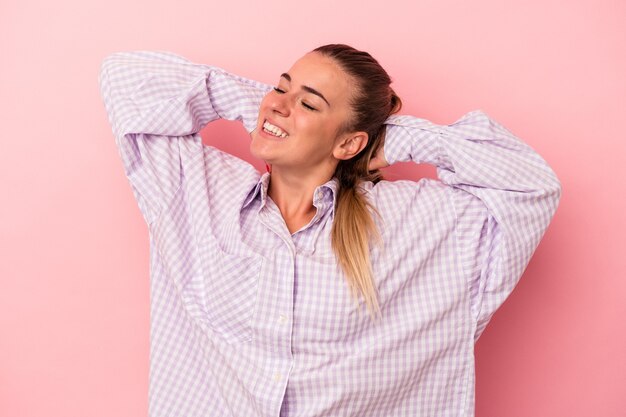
[158, 101]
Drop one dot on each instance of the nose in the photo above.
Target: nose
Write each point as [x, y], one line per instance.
[279, 103]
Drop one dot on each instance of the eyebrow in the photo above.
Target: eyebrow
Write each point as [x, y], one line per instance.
[306, 88]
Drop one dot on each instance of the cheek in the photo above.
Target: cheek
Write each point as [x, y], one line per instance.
[265, 105]
[320, 127]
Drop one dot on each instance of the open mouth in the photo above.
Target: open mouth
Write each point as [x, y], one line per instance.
[274, 130]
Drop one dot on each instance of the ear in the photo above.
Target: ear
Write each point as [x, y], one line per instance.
[350, 145]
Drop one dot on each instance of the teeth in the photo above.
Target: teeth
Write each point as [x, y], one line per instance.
[275, 130]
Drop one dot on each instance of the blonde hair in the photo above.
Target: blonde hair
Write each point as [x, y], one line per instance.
[372, 102]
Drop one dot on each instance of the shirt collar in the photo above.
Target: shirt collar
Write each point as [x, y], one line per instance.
[324, 196]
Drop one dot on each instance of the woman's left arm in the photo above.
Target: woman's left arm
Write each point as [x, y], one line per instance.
[504, 194]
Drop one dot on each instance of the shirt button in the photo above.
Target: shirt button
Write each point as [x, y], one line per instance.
[277, 376]
[282, 318]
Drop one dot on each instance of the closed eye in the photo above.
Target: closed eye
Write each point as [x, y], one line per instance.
[279, 91]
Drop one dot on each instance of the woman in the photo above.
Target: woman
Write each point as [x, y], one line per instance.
[256, 278]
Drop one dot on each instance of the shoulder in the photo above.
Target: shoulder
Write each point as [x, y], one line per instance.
[405, 203]
[403, 192]
[426, 191]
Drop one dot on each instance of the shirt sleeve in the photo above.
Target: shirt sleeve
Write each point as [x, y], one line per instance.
[503, 192]
[157, 102]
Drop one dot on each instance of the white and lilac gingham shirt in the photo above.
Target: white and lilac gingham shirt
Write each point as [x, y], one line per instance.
[248, 319]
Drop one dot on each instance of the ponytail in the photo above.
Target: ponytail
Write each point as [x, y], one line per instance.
[353, 226]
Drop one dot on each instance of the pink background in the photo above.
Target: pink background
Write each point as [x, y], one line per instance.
[74, 296]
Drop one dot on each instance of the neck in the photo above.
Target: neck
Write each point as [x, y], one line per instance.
[292, 191]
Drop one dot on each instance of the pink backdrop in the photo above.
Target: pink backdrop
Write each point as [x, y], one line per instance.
[74, 296]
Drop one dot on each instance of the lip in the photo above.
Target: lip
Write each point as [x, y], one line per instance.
[275, 124]
[270, 136]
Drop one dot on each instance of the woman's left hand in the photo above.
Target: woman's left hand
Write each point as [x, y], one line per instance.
[378, 160]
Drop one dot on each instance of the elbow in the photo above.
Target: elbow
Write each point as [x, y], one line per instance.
[116, 59]
[111, 66]
[109, 61]
[103, 76]
[553, 193]
[106, 64]
[556, 186]
[558, 189]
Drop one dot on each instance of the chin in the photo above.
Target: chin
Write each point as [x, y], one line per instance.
[258, 152]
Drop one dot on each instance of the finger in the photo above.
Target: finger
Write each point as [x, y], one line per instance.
[374, 164]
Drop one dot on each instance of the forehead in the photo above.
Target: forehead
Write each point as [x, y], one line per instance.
[323, 74]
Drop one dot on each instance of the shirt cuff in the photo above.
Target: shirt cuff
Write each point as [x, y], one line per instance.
[409, 138]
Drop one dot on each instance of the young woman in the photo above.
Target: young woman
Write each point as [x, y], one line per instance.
[259, 282]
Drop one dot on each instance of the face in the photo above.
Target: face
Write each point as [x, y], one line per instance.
[309, 104]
